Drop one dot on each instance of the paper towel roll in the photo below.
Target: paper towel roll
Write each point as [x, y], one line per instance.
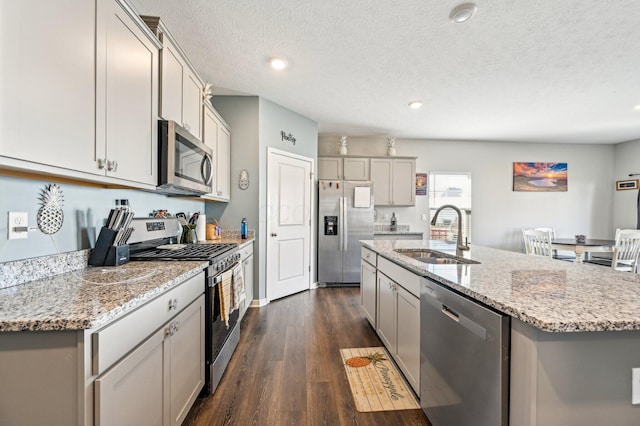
[201, 228]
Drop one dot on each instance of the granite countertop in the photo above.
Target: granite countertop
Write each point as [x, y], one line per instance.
[89, 297]
[549, 294]
[397, 233]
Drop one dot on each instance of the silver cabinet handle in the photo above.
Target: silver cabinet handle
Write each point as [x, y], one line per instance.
[112, 166]
[219, 192]
[176, 326]
[273, 234]
[173, 304]
[101, 163]
[187, 126]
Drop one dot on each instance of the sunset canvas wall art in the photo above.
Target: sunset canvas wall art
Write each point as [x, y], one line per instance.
[540, 177]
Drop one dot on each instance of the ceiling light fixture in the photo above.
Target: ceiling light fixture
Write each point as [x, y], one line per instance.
[415, 104]
[462, 13]
[637, 107]
[278, 63]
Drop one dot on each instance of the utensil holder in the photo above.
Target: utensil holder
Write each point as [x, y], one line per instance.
[107, 254]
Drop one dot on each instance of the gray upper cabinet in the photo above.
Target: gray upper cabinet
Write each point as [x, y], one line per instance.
[84, 106]
[218, 137]
[181, 86]
[394, 181]
[343, 168]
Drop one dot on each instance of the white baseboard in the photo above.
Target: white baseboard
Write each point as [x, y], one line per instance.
[256, 303]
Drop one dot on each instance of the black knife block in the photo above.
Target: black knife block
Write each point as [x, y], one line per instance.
[105, 253]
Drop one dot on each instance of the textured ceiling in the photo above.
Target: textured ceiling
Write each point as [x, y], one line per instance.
[534, 71]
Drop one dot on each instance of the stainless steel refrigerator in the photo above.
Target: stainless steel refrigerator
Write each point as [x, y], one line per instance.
[345, 213]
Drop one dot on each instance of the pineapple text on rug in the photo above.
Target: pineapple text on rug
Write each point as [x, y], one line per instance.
[375, 382]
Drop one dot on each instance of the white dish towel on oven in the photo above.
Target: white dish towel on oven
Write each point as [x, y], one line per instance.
[238, 287]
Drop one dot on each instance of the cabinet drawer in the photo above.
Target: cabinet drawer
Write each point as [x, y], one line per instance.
[369, 255]
[404, 277]
[113, 341]
[246, 251]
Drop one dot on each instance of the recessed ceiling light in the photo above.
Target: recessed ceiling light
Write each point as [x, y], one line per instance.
[278, 63]
[637, 107]
[415, 104]
[462, 13]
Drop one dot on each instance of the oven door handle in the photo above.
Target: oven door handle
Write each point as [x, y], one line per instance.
[217, 278]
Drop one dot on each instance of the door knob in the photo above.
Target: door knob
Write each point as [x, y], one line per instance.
[273, 234]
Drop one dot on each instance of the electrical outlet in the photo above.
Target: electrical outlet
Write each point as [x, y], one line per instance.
[635, 386]
[424, 217]
[17, 220]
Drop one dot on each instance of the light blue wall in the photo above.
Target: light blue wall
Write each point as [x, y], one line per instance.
[625, 202]
[80, 203]
[256, 124]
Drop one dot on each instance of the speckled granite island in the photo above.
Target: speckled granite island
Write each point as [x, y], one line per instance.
[575, 329]
[68, 341]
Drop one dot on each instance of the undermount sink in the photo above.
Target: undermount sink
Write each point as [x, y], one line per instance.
[434, 257]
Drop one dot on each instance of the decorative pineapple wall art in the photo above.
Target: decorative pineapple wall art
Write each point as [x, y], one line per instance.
[50, 215]
[342, 145]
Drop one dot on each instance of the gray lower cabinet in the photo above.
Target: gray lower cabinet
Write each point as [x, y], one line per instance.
[397, 313]
[368, 290]
[157, 382]
[246, 258]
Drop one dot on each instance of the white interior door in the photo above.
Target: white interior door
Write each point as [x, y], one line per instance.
[288, 223]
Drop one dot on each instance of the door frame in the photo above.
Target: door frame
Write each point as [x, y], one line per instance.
[311, 238]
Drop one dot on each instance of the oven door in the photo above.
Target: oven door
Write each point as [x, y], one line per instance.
[186, 164]
[217, 330]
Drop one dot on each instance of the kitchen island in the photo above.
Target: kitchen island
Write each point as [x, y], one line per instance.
[574, 334]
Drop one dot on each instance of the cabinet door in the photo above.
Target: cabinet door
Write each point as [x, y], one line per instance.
[404, 182]
[47, 85]
[131, 392]
[210, 138]
[127, 95]
[172, 80]
[247, 272]
[356, 168]
[408, 336]
[330, 168]
[192, 104]
[381, 169]
[223, 161]
[368, 291]
[185, 357]
[386, 312]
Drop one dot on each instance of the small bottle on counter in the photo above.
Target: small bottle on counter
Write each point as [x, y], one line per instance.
[243, 228]
[394, 223]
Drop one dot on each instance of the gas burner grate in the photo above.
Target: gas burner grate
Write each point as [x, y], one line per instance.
[190, 252]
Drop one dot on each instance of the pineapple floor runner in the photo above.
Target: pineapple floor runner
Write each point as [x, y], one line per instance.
[378, 385]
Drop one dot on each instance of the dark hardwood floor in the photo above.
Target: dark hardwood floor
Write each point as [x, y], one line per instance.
[287, 368]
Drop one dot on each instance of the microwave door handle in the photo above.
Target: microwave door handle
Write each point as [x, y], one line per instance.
[206, 178]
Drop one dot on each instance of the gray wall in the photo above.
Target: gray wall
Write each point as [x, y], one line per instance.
[499, 213]
[624, 202]
[256, 124]
[80, 203]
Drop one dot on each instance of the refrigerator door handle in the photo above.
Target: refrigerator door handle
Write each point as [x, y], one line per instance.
[340, 233]
[345, 238]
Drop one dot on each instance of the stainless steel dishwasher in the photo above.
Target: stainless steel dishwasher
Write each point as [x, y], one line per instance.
[464, 360]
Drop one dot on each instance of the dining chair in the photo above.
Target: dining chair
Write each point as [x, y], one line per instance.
[537, 243]
[555, 254]
[625, 252]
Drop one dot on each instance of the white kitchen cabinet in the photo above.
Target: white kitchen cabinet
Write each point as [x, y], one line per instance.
[246, 258]
[159, 380]
[47, 89]
[91, 113]
[368, 285]
[181, 86]
[343, 168]
[394, 181]
[126, 94]
[218, 137]
[398, 326]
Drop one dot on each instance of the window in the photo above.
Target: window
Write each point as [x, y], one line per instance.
[450, 188]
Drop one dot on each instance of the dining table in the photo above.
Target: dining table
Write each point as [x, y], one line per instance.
[580, 248]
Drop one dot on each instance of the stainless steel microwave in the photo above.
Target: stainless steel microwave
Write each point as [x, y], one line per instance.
[185, 163]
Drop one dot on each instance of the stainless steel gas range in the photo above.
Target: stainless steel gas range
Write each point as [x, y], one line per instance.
[155, 239]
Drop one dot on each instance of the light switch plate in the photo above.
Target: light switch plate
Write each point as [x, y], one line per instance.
[17, 219]
[635, 386]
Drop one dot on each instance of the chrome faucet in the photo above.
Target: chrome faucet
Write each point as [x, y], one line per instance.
[435, 216]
